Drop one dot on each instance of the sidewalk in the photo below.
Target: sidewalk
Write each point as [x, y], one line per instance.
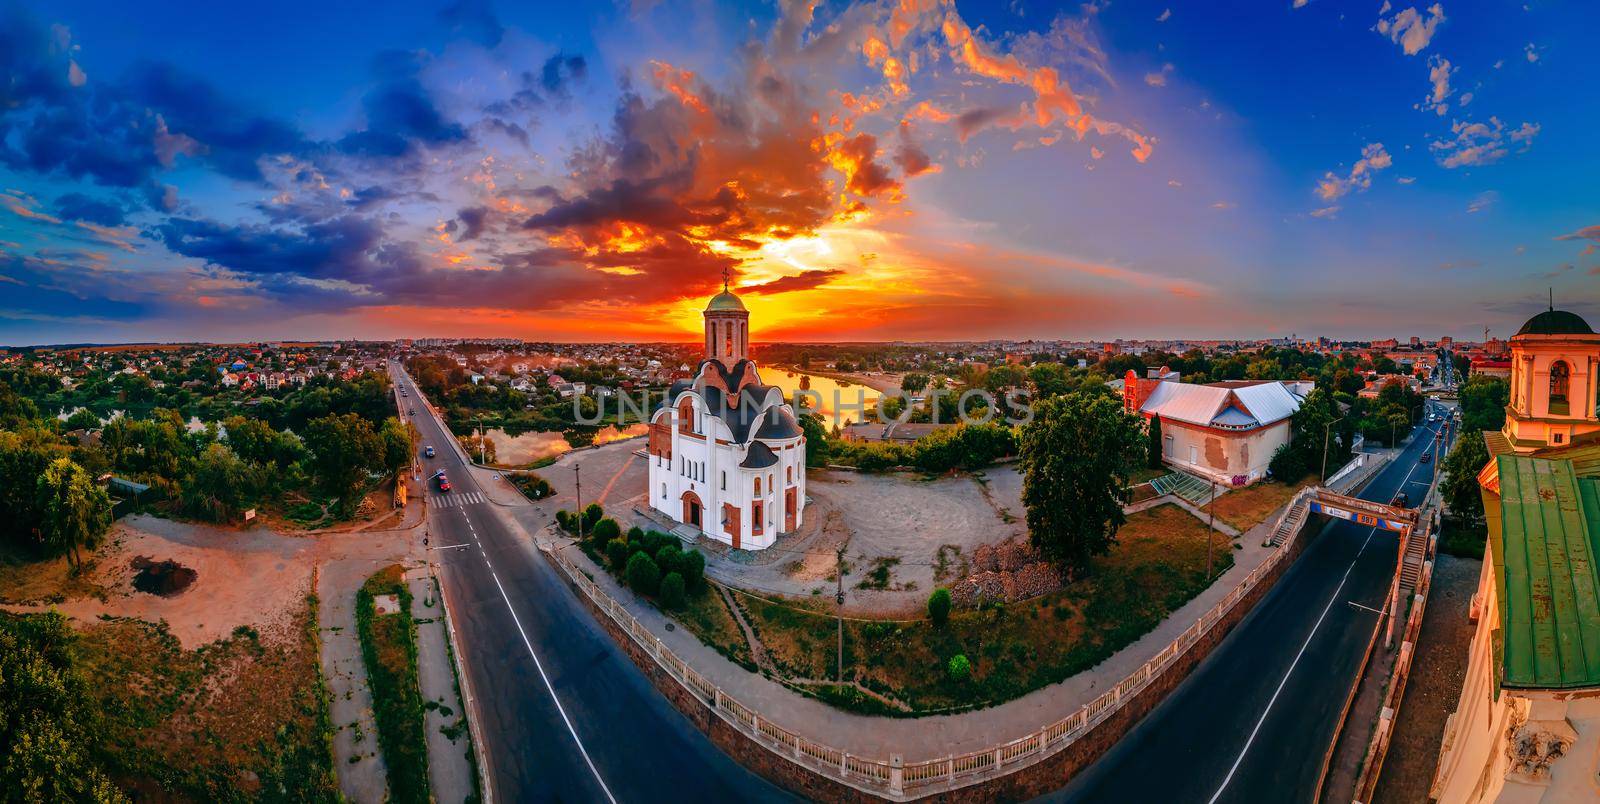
[449, 757]
[362, 774]
[925, 737]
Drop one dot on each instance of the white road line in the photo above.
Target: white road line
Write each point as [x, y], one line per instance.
[1252, 738]
[540, 666]
[451, 546]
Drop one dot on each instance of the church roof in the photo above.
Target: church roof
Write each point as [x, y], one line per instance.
[718, 384]
[1556, 322]
[725, 301]
[778, 424]
[759, 456]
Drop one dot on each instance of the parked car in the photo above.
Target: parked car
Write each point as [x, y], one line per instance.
[427, 452]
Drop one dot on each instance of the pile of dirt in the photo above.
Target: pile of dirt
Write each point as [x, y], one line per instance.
[1008, 571]
[164, 578]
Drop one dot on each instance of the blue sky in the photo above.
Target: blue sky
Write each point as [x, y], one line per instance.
[864, 171]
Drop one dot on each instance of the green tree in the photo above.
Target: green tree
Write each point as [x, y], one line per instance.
[939, 606]
[1483, 404]
[643, 574]
[82, 419]
[914, 382]
[222, 485]
[345, 452]
[672, 591]
[1076, 457]
[1153, 459]
[74, 512]
[816, 434]
[397, 449]
[1460, 484]
[693, 567]
[959, 667]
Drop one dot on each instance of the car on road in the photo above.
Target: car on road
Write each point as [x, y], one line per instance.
[1401, 500]
[444, 482]
[1427, 457]
[411, 411]
[427, 452]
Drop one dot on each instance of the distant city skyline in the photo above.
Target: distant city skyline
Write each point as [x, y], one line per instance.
[866, 171]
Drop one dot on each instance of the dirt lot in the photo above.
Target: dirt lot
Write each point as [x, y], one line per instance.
[1435, 684]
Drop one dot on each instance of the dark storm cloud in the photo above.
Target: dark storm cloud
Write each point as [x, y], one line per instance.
[32, 287]
[334, 249]
[474, 19]
[805, 280]
[79, 207]
[401, 115]
[472, 222]
[229, 138]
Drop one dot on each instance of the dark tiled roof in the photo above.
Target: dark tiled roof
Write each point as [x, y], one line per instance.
[1556, 322]
[778, 424]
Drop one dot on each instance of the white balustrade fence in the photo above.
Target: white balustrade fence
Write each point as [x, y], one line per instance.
[888, 777]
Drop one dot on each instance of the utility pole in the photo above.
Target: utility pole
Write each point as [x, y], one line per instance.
[578, 477]
[1212, 528]
[838, 573]
[481, 445]
[1325, 430]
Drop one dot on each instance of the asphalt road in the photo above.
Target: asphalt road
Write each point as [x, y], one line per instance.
[1253, 721]
[564, 715]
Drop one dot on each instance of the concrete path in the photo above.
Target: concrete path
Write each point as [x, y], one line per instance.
[362, 774]
[449, 758]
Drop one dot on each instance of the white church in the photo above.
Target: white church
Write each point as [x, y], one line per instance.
[726, 454]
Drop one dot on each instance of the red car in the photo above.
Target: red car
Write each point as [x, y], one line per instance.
[444, 484]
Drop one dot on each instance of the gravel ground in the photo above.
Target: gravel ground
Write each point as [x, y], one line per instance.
[1435, 684]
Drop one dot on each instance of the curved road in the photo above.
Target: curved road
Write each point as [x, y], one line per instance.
[1253, 721]
[562, 713]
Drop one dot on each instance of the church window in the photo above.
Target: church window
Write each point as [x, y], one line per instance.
[1560, 378]
[724, 480]
[755, 521]
[663, 491]
[727, 348]
[758, 486]
[788, 475]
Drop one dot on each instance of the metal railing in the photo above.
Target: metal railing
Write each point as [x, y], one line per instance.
[890, 777]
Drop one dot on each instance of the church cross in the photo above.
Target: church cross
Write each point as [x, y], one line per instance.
[724, 279]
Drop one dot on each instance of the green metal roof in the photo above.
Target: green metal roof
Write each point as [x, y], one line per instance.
[1556, 322]
[1545, 567]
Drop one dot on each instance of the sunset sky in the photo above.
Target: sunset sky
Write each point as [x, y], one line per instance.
[887, 171]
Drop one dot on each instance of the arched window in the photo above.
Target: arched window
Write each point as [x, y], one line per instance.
[1560, 378]
[758, 486]
[686, 415]
[788, 475]
[727, 341]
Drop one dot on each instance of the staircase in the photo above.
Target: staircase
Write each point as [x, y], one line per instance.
[1289, 524]
[1411, 564]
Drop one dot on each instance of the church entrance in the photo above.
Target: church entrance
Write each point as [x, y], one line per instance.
[789, 509]
[691, 509]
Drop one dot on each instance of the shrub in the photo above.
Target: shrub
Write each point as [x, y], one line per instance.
[670, 559]
[564, 520]
[635, 534]
[617, 554]
[672, 591]
[959, 668]
[692, 565]
[591, 515]
[939, 606]
[1287, 464]
[605, 530]
[643, 574]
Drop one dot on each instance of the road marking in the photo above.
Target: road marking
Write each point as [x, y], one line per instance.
[1274, 699]
[451, 546]
[540, 666]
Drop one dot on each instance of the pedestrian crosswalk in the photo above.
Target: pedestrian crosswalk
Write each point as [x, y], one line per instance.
[457, 500]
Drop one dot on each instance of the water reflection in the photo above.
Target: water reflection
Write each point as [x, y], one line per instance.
[531, 447]
[842, 400]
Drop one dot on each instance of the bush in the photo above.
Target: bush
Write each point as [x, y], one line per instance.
[692, 565]
[564, 520]
[635, 534]
[617, 554]
[643, 574]
[605, 530]
[959, 668]
[1287, 464]
[591, 515]
[672, 591]
[939, 606]
[670, 559]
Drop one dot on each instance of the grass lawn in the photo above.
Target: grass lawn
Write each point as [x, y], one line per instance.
[707, 617]
[1250, 506]
[389, 650]
[1157, 565]
[240, 719]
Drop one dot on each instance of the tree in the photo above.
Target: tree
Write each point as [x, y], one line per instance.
[221, 486]
[82, 419]
[617, 554]
[672, 591]
[692, 565]
[816, 435]
[1076, 457]
[605, 530]
[1483, 404]
[959, 668]
[939, 606]
[74, 512]
[345, 452]
[1460, 484]
[643, 574]
[1153, 461]
[914, 382]
[396, 445]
